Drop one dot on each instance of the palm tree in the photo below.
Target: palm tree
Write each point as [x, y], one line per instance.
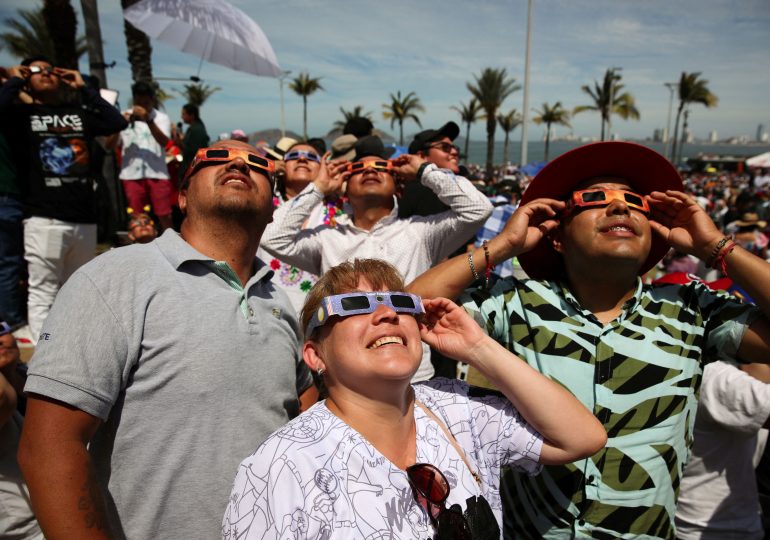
[623, 103]
[508, 123]
[692, 89]
[94, 40]
[468, 115]
[138, 47]
[549, 115]
[62, 26]
[400, 109]
[357, 112]
[490, 89]
[29, 36]
[197, 93]
[304, 85]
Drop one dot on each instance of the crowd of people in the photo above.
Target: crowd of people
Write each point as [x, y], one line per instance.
[327, 340]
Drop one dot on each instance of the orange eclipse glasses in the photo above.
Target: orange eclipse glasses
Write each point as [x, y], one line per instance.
[603, 197]
[384, 165]
[256, 163]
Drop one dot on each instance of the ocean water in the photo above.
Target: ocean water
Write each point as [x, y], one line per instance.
[536, 149]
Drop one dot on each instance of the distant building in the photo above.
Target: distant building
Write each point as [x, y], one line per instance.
[689, 137]
[713, 136]
[761, 135]
[659, 135]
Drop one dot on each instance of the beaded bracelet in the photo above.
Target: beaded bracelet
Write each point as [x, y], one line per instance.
[476, 275]
[488, 271]
[720, 260]
[715, 252]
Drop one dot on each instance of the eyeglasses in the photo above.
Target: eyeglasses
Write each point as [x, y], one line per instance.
[603, 197]
[5, 328]
[359, 303]
[431, 489]
[33, 70]
[445, 147]
[380, 166]
[296, 154]
[256, 163]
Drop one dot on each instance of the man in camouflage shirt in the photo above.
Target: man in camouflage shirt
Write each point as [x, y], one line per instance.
[590, 224]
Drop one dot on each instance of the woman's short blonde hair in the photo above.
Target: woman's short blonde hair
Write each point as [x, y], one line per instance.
[344, 278]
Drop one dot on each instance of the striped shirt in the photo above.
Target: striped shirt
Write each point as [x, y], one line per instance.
[639, 374]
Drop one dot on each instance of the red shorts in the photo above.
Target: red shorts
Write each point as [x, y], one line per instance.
[154, 191]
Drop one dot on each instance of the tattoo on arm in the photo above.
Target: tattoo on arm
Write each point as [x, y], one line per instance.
[91, 506]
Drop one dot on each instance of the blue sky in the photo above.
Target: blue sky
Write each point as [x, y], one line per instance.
[365, 50]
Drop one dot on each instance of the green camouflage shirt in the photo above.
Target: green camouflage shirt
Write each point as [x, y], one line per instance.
[639, 374]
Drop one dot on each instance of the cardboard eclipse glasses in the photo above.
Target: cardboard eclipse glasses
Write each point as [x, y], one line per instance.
[384, 165]
[359, 303]
[259, 164]
[603, 197]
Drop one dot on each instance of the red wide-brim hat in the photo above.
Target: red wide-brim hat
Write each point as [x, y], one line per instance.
[645, 169]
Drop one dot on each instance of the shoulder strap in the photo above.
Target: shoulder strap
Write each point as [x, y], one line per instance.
[451, 439]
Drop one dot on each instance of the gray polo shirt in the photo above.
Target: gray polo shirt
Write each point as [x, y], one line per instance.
[188, 381]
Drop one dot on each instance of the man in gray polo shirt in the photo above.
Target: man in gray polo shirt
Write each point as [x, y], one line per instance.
[161, 366]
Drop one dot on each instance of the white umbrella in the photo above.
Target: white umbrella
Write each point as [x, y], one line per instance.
[213, 30]
[762, 160]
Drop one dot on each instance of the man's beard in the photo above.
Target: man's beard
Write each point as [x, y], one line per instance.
[239, 209]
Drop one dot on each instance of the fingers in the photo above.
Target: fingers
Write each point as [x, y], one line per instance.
[660, 229]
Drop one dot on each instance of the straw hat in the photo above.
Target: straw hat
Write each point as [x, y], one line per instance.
[750, 218]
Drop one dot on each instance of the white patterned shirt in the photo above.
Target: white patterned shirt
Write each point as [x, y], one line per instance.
[143, 157]
[317, 477]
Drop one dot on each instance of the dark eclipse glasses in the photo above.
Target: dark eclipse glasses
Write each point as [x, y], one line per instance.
[256, 163]
[384, 165]
[603, 197]
[358, 303]
[297, 154]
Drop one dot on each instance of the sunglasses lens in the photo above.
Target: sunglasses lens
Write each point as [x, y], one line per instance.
[633, 199]
[594, 196]
[218, 154]
[256, 160]
[429, 482]
[355, 302]
[402, 301]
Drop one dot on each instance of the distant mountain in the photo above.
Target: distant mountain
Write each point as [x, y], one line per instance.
[272, 136]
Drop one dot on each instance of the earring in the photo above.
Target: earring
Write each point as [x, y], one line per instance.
[321, 371]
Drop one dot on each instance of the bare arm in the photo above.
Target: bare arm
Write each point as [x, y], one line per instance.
[570, 431]
[7, 399]
[146, 116]
[526, 227]
[66, 497]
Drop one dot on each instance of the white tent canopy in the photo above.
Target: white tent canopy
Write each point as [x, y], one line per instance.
[762, 160]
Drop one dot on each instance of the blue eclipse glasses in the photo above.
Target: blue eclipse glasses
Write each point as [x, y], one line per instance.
[358, 303]
[296, 154]
[5, 328]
